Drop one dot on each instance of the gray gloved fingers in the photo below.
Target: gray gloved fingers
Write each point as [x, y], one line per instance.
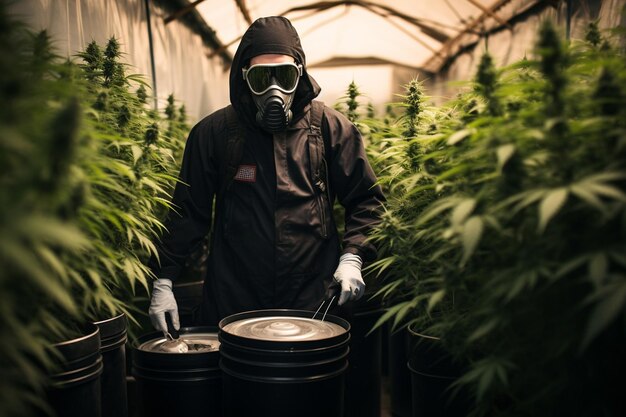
[175, 318]
[348, 273]
[359, 290]
[352, 293]
[158, 320]
[346, 292]
[163, 301]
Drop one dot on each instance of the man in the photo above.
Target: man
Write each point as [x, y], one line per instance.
[273, 240]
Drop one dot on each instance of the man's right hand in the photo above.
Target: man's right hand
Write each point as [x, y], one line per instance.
[163, 301]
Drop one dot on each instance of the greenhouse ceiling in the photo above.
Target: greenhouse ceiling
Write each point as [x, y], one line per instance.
[413, 33]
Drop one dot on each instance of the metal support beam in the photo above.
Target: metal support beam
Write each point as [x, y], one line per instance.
[180, 13]
[427, 29]
[491, 13]
[445, 50]
[244, 10]
[155, 104]
[369, 6]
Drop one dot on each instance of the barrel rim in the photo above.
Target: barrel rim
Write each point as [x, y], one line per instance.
[109, 320]
[301, 344]
[93, 332]
[413, 370]
[285, 380]
[78, 376]
[293, 364]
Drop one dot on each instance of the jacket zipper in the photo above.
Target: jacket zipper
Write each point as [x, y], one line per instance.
[320, 205]
[322, 188]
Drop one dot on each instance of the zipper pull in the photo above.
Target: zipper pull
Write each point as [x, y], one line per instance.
[321, 185]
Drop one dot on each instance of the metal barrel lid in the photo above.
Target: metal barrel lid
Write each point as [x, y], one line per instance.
[284, 328]
[196, 342]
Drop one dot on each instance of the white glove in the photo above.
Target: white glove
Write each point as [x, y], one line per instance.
[163, 301]
[348, 275]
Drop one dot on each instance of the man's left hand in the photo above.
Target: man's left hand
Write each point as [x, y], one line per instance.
[348, 275]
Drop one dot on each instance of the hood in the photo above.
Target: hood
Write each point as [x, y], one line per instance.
[269, 35]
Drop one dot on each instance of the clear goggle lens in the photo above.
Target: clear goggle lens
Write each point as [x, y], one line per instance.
[262, 77]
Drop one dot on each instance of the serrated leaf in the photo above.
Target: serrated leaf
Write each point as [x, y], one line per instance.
[607, 191]
[619, 256]
[391, 311]
[605, 177]
[153, 185]
[458, 136]
[550, 205]
[95, 277]
[382, 264]
[483, 374]
[585, 194]
[137, 153]
[130, 271]
[53, 262]
[504, 153]
[142, 276]
[598, 268]
[610, 302]
[569, 266]
[483, 330]
[525, 199]
[54, 231]
[472, 232]
[23, 259]
[435, 209]
[146, 243]
[401, 314]
[435, 299]
[462, 211]
[387, 289]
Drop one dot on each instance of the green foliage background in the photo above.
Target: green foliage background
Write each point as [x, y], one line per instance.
[85, 175]
[504, 233]
[505, 228]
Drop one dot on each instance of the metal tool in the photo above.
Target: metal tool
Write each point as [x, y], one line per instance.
[331, 293]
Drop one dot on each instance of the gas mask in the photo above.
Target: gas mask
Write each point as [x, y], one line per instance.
[273, 87]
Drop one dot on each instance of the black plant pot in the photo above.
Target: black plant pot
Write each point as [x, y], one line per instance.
[433, 372]
[75, 387]
[173, 384]
[281, 378]
[363, 378]
[113, 380]
[399, 375]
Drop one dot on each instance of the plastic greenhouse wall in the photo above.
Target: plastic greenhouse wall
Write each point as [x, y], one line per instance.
[182, 67]
[508, 46]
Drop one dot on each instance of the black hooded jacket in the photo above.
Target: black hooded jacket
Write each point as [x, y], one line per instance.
[274, 243]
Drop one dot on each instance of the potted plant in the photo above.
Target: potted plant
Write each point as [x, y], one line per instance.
[84, 174]
[519, 250]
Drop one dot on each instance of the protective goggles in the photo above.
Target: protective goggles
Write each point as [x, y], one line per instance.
[262, 77]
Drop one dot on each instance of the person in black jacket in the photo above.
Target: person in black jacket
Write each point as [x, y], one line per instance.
[273, 242]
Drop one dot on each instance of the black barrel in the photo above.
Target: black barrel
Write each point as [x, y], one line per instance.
[75, 387]
[399, 375]
[433, 372]
[284, 376]
[178, 384]
[363, 378]
[113, 380]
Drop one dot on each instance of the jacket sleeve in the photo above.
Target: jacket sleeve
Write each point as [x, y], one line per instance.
[353, 182]
[189, 220]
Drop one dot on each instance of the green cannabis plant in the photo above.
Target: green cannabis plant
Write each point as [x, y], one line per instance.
[85, 172]
[505, 230]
